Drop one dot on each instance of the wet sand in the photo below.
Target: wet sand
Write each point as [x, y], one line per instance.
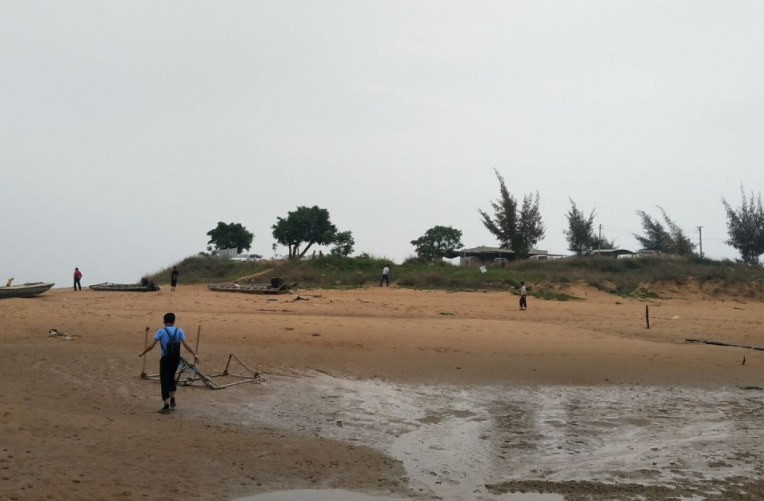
[386, 391]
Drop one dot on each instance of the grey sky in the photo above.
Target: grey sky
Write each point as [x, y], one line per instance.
[129, 129]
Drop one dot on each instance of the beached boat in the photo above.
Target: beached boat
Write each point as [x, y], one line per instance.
[144, 286]
[277, 286]
[24, 290]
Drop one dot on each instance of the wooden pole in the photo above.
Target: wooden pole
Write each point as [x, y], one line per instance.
[145, 343]
[647, 315]
[198, 335]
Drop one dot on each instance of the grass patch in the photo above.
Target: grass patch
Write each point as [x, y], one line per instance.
[622, 277]
[555, 296]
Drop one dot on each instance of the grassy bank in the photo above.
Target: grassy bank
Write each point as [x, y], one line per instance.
[625, 277]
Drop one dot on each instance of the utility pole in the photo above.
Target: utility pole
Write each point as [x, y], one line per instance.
[700, 239]
[599, 243]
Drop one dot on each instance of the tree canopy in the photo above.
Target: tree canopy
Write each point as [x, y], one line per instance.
[518, 230]
[343, 244]
[656, 237]
[680, 243]
[230, 236]
[580, 233]
[745, 227]
[306, 225]
[438, 242]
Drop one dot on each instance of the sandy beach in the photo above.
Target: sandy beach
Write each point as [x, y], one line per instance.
[386, 391]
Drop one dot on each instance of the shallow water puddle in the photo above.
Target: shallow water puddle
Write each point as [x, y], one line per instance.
[491, 443]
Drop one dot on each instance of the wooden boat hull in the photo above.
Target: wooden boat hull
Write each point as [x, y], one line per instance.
[150, 287]
[253, 288]
[25, 290]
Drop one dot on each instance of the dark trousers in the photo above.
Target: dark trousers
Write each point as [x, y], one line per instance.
[523, 302]
[77, 284]
[385, 279]
[167, 369]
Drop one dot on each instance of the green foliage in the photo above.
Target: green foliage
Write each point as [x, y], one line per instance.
[343, 244]
[658, 238]
[530, 228]
[580, 233]
[516, 230]
[204, 268]
[624, 277]
[745, 227]
[230, 236]
[306, 225]
[655, 237]
[438, 242]
[555, 296]
[681, 245]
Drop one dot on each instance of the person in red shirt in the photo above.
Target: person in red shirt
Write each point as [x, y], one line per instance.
[77, 278]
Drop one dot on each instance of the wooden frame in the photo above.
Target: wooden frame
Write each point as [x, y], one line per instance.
[189, 374]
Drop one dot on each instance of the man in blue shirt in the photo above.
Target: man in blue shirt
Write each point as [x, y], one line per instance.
[169, 360]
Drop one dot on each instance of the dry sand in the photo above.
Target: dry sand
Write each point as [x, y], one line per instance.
[396, 392]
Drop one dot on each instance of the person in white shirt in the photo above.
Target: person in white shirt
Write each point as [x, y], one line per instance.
[385, 276]
[523, 301]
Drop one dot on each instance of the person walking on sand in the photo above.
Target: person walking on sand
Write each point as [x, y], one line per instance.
[77, 278]
[170, 338]
[385, 276]
[523, 300]
[173, 278]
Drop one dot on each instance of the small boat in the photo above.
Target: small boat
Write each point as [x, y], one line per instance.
[277, 286]
[24, 290]
[144, 286]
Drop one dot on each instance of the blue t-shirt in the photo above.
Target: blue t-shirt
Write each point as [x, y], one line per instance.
[163, 337]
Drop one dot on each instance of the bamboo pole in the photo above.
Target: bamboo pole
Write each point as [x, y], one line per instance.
[198, 335]
[240, 361]
[145, 343]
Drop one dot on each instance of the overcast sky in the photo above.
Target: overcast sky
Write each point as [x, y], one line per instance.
[129, 129]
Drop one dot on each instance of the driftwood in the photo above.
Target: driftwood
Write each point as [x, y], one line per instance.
[719, 343]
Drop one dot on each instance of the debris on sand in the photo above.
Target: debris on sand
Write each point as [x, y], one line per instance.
[61, 334]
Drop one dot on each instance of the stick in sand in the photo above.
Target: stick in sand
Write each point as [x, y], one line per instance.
[647, 315]
[198, 334]
[145, 343]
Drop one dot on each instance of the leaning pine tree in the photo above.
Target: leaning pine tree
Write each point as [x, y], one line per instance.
[745, 227]
[518, 230]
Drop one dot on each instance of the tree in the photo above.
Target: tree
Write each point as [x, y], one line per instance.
[306, 225]
[602, 243]
[343, 244]
[745, 227]
[680, 243]
[515, 230]
[580, 232]
[438, 242]
[658, 238]
[230, 236]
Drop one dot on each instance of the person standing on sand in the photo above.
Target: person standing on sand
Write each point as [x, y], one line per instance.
[385, 276]
[173, 278]
[168, 362]
[77, 278]
[523, 301]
